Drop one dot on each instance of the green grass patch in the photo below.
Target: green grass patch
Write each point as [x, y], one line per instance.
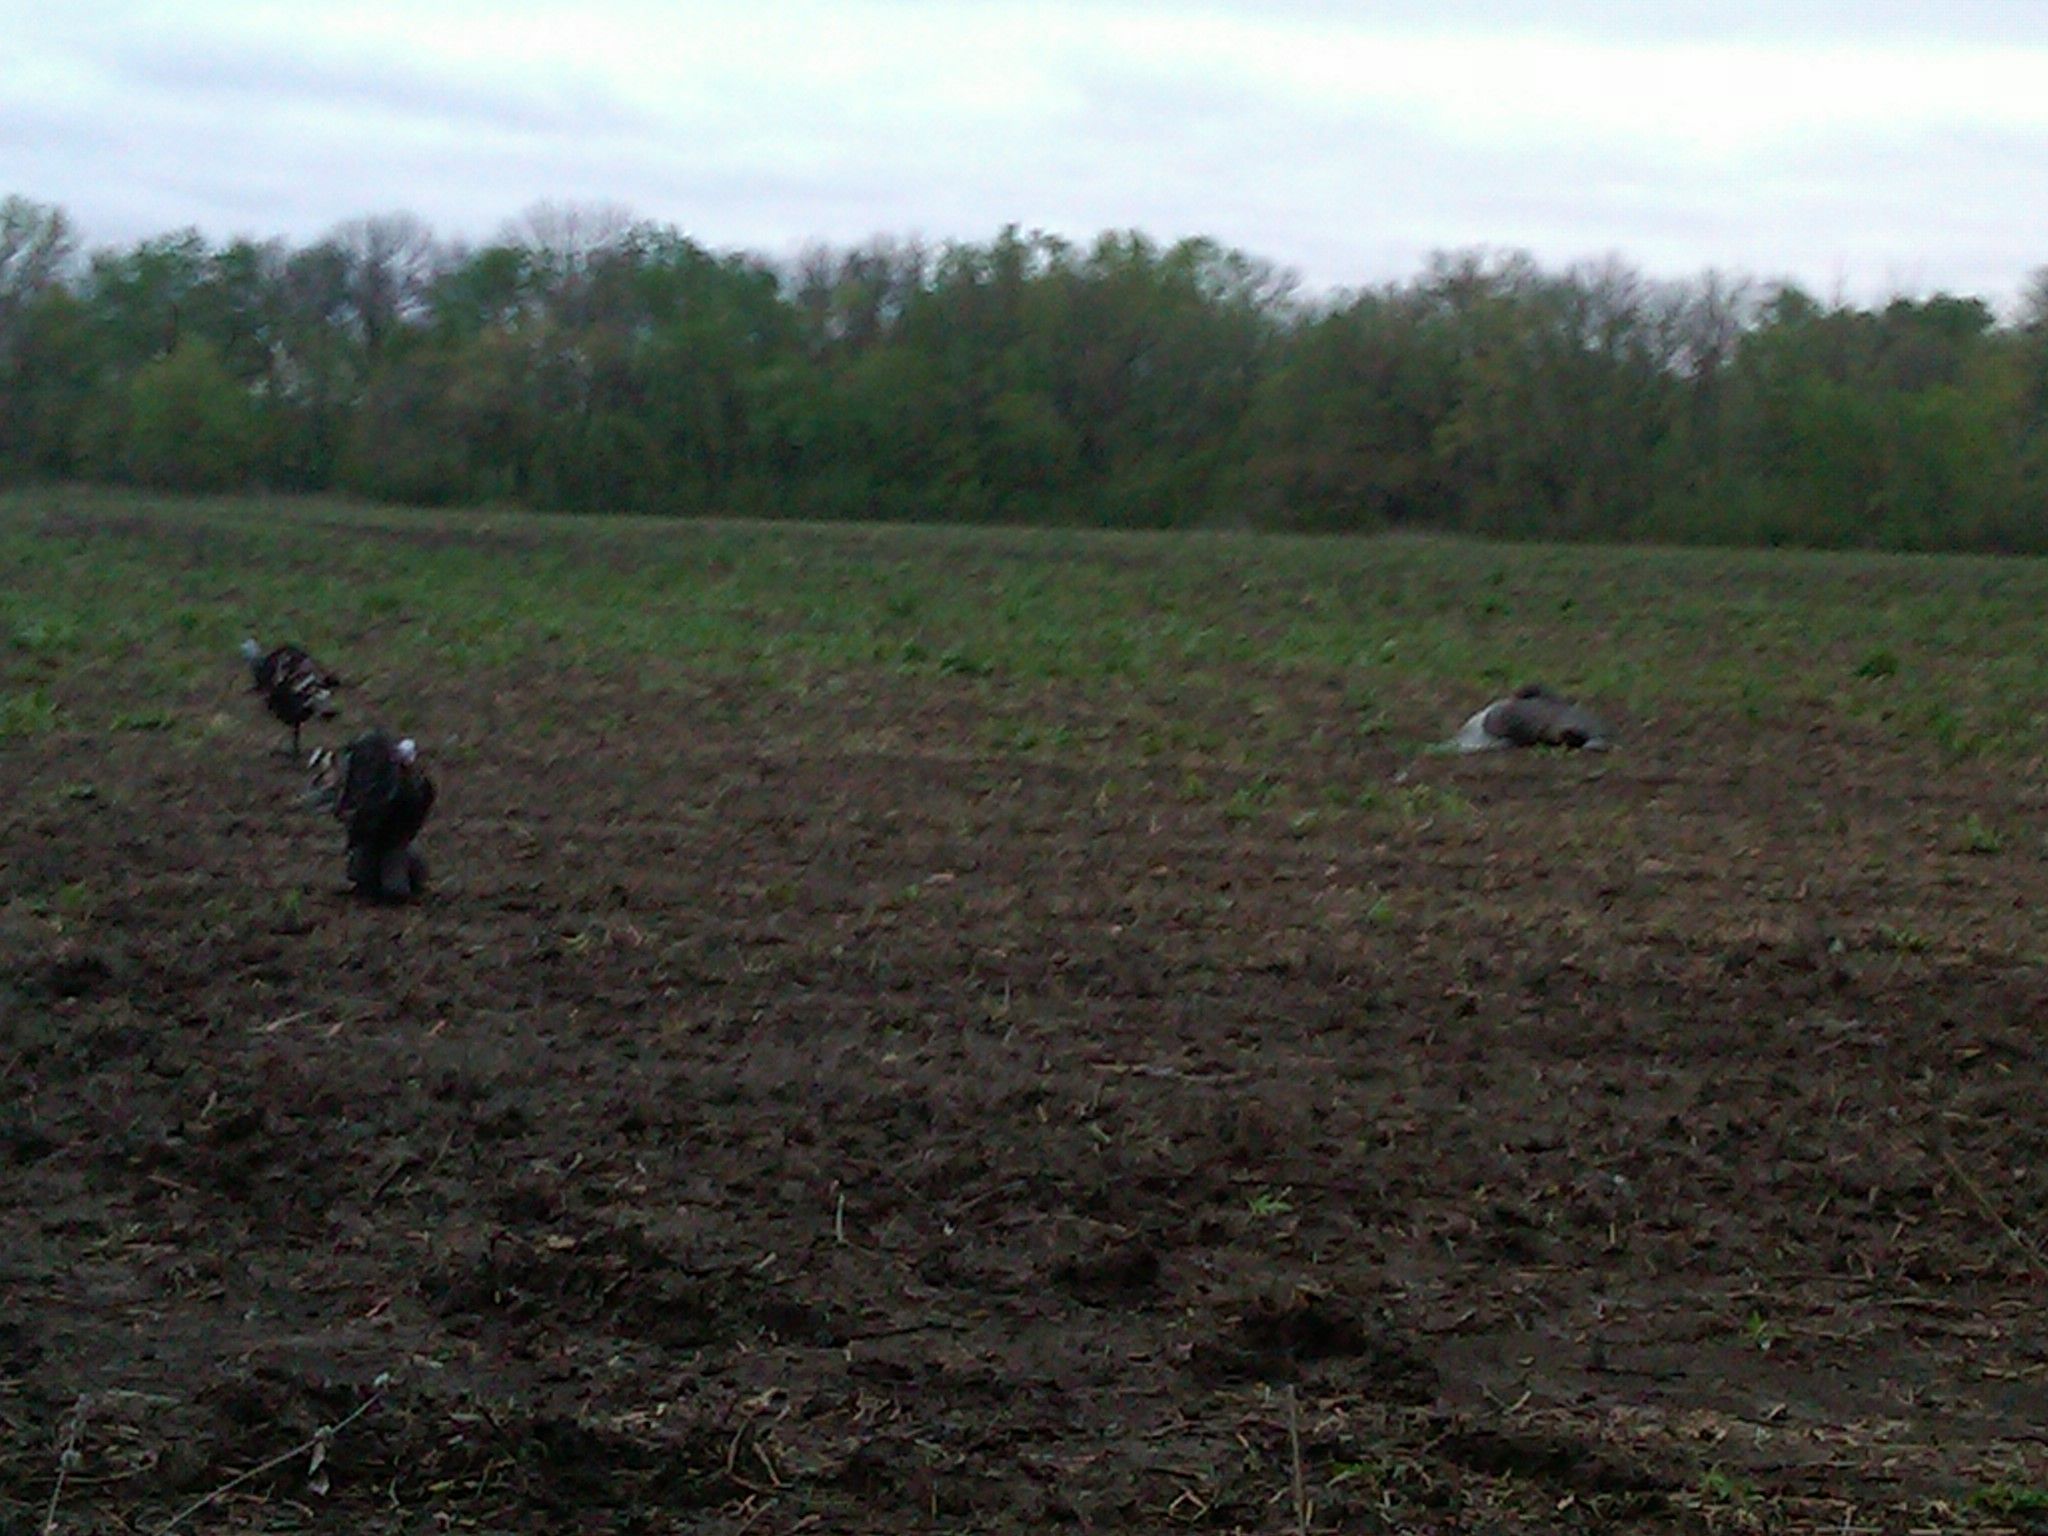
[2009, 1499]
[158, 592]
[28, 713]
[143, 720]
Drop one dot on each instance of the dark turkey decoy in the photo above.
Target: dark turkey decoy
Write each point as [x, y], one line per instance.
[378, 790]
[1533, 716]
[295, 687]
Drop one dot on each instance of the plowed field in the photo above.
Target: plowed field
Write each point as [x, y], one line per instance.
[924, 1088]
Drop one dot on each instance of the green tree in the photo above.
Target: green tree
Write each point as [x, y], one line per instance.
[191, 424]
[47, 387]
[1342, 432]
[586, 359]
[44, 377]
[404, 441]
[36, 251]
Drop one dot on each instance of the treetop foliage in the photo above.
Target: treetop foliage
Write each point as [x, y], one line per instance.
[587, 360]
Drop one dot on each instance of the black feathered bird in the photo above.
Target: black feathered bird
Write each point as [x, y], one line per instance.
[379, 792]
[295, 687]
[1533, 716]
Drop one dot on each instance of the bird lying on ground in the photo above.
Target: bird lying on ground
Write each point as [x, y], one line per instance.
[1532, 716]
[377, 789]
[295, 687]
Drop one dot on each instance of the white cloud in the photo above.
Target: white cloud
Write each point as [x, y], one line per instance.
[1870, 144]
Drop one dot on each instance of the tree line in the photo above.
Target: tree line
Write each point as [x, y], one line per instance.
[588, 361]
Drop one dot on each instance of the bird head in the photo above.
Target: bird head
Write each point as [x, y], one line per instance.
[407, 751]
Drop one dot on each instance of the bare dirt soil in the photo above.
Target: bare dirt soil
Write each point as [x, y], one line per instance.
[792, 1111]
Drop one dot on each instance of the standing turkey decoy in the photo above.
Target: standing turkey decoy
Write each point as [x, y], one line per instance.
[295, 687]
[379, 792]
[1533, 716]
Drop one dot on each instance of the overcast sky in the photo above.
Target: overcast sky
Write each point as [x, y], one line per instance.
[1865, 148]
